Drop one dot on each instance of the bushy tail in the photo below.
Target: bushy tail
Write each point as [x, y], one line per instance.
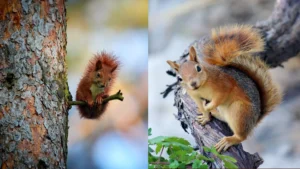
[232, 46]
[232, 41]
[257, 70]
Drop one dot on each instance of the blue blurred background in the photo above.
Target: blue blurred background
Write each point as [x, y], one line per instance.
[119, 138]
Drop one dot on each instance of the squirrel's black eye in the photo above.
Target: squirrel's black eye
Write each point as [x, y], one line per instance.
[179, 78]
[198, 68]
[98, 75]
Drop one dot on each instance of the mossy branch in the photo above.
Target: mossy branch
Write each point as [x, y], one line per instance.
[117, 96]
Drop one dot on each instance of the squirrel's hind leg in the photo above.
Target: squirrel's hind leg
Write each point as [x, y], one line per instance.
[236, 117]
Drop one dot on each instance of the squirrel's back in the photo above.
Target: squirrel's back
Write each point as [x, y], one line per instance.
[236, 47]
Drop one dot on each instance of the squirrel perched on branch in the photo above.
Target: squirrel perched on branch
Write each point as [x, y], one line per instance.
[95, 85]
[226, 79]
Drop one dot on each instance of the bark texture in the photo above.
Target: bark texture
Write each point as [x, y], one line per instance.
[33, 84]
[282, 37]
[281, 32]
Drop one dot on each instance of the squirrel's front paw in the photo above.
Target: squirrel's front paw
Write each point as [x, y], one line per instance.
[105, 96]
[90, 102]
[203, 119]
[99, 100]
[209, 108]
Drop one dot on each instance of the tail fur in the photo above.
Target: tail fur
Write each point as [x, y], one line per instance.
[233, 46]
[232, 41]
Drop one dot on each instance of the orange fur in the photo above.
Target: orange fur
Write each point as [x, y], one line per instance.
[232, 41]
[95, 84]
[235, 47]
[257, 70]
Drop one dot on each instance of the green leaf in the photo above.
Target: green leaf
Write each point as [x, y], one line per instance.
[206, 149]
[150, 150]
[165, 166]
[150, 166]
[192, 156]
[202, 157]
[158, 147]
[204, 166]
[180, 155]
[177, 140]
[169, 151]
[149, 131]
[228, 158]
[182, 165]
[196, 164]
[162, 159]
[174, 164]
[158, 139]
[151, 158]
[194, 153]
[229, 165]
[214, 151]
[178, 146]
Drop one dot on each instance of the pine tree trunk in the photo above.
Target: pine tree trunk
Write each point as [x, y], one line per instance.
[33, 84]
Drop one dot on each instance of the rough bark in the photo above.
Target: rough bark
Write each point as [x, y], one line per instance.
[282, 37]
[281, 32]
[33, 84]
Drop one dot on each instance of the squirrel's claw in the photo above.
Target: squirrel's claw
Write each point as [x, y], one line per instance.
[99, 100]
[223, 144]
[90, 102]
[203, 119]
[105, 96]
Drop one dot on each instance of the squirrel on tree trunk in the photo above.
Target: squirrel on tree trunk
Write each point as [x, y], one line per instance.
[236, 83]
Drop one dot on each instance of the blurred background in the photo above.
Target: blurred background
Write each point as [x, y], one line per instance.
[119, 138]
[173, 25]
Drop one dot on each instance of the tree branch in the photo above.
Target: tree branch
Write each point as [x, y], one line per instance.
[281, 33]
[117, 96]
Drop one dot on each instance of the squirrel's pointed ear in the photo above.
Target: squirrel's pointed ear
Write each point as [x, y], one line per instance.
[193, 54]
[113, 69]
[99, 65]
[174, 65]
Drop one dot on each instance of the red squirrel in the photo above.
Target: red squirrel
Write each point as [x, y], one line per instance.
[238, 85]
[95, 85]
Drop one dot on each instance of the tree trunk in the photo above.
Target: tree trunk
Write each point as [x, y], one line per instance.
[33, 84]
[281, 33]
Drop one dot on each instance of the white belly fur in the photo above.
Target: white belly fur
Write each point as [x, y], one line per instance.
[96, 90]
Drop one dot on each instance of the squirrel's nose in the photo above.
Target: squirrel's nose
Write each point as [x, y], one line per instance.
[193, 84]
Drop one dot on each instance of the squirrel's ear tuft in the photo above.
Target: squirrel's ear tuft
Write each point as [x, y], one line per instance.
[98, 65]
[193, 54]
[174, 65]
[114, 68]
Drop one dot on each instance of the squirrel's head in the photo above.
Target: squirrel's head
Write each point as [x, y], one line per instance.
[191, 74]
[103, 74]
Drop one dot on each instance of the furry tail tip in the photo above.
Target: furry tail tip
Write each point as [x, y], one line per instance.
[228, 42]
